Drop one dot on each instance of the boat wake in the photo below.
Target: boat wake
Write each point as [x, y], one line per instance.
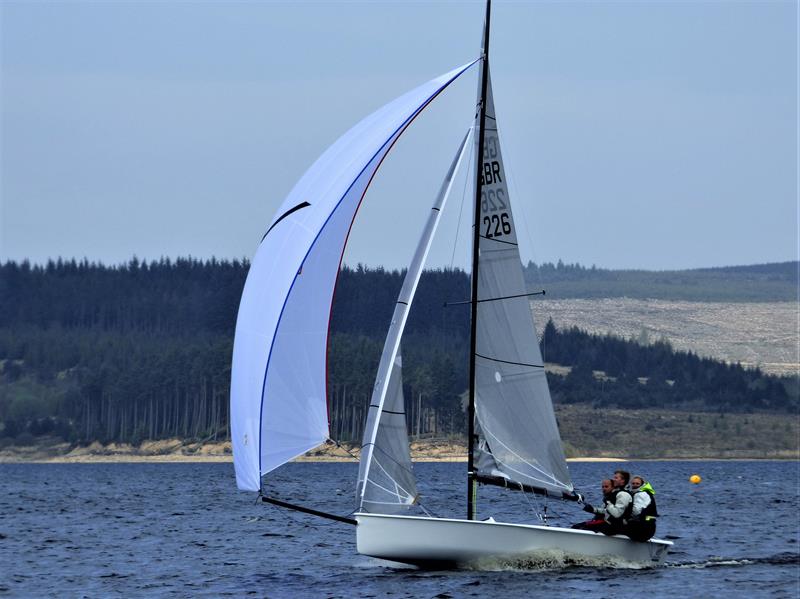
[554, 560]
[779, 559]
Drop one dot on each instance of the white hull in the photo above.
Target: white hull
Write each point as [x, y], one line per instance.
[443, 541]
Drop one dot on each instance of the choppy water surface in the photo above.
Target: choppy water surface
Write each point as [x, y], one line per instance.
[103, 530]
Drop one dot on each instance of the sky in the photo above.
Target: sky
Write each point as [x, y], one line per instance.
[653, 135]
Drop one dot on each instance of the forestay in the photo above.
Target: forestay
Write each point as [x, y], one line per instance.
[518, 440]
[386, 483]
[278, 378]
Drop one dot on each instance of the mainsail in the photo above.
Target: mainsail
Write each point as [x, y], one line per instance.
[518, 443]
[386, 482]
[278, 379]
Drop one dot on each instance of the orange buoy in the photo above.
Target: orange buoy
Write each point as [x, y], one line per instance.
[695, 479]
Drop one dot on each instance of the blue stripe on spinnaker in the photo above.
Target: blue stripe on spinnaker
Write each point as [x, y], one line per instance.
[280, 316]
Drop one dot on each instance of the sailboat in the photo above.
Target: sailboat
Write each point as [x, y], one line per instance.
[279, 406]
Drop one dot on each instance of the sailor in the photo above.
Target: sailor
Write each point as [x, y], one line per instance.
[621, 479]
[642, 523]
[619, 511]
[598, 523]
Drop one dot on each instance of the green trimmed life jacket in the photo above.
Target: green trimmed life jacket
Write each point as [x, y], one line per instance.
[650, 512]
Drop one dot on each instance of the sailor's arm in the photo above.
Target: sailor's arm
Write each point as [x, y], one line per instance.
[640, 501]
[617, 509]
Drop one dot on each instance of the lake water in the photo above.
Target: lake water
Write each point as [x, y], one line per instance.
[177, 530]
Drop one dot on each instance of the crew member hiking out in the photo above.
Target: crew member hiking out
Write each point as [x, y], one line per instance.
[598, 523]
[620, 510]
[642, 523]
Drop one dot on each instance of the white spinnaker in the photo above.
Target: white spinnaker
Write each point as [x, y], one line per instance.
[278, 377]
[385, 481]
[518, 434]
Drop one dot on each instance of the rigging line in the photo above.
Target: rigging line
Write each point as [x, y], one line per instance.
[376, 502]
[508, 361]
[343, 448]
[552, 478]
[369, 481]
[495, 299]
[539, 501]
[458, 225]
[416, 501]
[388, 491]
[463, 200]
[531, 505]
[391, 478]
[384, 452]
[524, 461]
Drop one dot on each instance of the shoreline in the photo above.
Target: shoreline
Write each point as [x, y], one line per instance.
[213, 459]
[178, 451]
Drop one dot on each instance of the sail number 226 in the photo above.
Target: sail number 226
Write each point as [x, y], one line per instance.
[496, 225]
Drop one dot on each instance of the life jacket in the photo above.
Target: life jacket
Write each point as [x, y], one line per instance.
[650, 512]
[626, 514]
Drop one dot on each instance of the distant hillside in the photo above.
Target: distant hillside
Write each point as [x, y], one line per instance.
[142, 351]
[666, 434]
[776, 282]
[762, 334]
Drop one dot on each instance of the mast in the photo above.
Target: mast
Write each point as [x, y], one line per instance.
[472, 482]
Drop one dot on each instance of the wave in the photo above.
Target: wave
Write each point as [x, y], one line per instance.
[558, 560]
[554, 560]
[779, 559]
